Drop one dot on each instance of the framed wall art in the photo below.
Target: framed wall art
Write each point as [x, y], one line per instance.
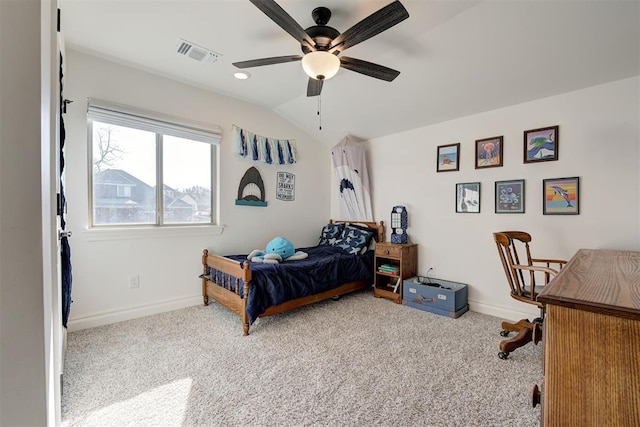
[448, 158]
[561, 196]
[510, 196]
[489, 152]
[468, 197]
[286, 186]
[541, 145]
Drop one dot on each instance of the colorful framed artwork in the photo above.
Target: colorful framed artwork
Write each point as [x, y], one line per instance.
[561, 196]
[510, 196]
[541, 145]
[448, 158]
[489, 152]
[468, 197]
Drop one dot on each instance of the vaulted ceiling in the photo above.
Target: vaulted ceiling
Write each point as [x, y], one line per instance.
[456, 57]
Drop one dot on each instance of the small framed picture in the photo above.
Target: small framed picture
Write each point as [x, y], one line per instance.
[541, 145]
[468, 197]
[510, 196]
[489, 152]
[448, 158]
[561, 196]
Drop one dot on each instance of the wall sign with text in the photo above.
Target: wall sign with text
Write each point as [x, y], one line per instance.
[286, 186]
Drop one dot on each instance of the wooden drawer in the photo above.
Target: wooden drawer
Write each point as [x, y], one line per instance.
[390, 251]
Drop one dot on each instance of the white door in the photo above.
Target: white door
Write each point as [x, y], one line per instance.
[63, 255]
[50, 171]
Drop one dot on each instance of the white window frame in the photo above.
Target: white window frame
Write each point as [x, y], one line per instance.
[159, 124]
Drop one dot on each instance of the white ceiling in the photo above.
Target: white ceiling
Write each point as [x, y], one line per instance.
[456, 57]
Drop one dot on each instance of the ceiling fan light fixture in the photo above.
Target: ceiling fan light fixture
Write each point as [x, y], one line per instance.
[320, 65]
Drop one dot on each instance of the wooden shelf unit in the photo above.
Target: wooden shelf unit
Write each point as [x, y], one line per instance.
[405, 257]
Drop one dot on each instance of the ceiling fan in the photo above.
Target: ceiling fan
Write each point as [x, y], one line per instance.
[322, 44]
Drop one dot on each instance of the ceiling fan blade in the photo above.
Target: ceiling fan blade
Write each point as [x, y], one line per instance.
[267, 61]
[284, 20]
[375, 23]
[368, 68]
[314, 87]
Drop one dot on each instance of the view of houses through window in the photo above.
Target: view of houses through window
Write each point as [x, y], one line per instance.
[130, 165]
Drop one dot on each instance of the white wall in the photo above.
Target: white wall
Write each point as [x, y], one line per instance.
[460, 246]
[22, 334]
[168, 261]
[599, 142]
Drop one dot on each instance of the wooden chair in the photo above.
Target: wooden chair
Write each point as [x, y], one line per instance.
[513, 247]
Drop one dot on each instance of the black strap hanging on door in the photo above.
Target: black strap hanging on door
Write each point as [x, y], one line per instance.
[65, 248]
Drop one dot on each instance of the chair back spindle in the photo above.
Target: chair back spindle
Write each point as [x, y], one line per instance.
[515, 256]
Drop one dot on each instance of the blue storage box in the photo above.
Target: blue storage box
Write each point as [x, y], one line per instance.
[438, 296]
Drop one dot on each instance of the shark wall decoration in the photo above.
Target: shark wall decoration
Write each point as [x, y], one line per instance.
[251, 189]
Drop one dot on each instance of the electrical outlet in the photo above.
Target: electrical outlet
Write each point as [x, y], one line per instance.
[431, 272]
[134, 281]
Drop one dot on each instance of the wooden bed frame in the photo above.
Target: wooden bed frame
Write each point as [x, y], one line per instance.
[228, 295]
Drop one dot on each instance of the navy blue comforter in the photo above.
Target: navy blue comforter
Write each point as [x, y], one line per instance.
[325, 268]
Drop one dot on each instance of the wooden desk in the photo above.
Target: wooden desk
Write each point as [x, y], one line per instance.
[592, 341]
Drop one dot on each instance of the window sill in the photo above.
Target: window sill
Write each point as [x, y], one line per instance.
[136, 233]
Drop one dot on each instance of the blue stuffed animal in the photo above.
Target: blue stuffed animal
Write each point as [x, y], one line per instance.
[277, 250]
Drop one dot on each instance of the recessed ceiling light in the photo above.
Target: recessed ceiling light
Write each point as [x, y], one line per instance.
[242, 75]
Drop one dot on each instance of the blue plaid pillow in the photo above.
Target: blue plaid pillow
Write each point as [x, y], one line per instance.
[354, 240]
[330, 234]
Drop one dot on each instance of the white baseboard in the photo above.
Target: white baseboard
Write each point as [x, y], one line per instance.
[108, 317]
[501, 312]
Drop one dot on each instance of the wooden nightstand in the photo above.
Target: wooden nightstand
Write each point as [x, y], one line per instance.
[393, 263]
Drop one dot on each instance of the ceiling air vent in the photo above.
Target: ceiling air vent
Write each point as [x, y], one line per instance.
[196, 52]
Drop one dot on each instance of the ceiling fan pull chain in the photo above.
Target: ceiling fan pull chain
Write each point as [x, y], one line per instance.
[320, 112]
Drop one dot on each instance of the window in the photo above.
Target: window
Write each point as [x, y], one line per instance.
[150, 170]
[124, 190]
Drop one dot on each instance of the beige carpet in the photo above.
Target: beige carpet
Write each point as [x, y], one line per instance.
[358, 361]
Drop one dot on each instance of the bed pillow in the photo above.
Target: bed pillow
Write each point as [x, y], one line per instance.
[366, 227]
[330, 234]
[354, 240]
[363, 226]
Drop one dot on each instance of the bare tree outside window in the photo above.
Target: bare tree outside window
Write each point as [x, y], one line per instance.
[107, 152]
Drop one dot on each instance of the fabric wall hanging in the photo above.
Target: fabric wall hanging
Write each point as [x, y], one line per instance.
[350, 168]
[262, 149]
[251, 189]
